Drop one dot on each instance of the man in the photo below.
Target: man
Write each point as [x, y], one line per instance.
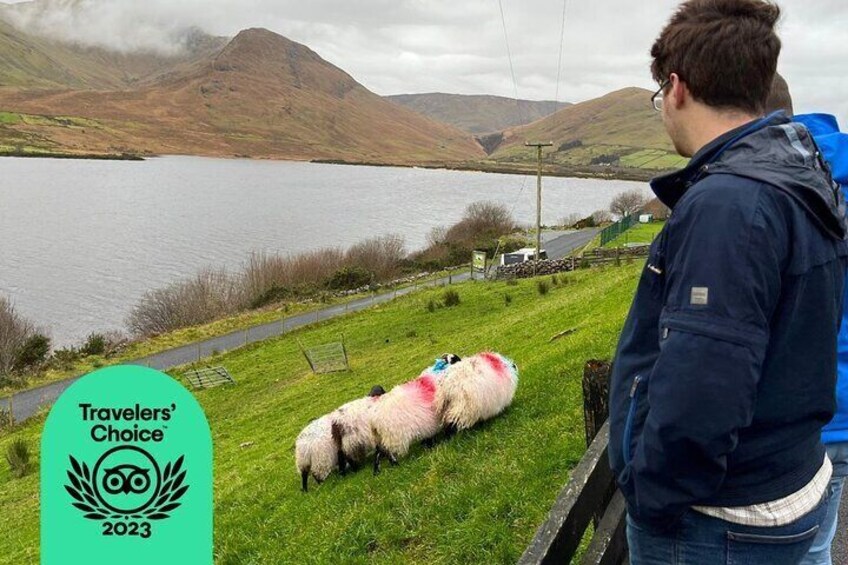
[725, 371]
[834, 148]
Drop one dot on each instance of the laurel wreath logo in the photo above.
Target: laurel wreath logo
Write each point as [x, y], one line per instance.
[83, 491]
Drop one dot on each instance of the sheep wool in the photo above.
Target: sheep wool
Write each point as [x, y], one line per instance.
[406, 415]
[315, 451]
[476, 389]
[352, 432]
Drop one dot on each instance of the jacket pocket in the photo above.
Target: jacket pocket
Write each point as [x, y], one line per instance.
[627, 439]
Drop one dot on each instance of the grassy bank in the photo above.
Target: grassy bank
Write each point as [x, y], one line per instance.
[193, 334]
[638, 234]
[476, 498]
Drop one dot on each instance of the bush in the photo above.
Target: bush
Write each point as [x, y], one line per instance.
[381, 256]
[33, 352]
[95, 344]
[542, 287]
[554, 280]
[451, 298]
[431, 306]
[17, 454]
[350, 278]
[208, 296]
[507, 299]
[15, 330]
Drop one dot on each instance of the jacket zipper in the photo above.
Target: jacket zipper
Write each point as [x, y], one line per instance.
[631, 415]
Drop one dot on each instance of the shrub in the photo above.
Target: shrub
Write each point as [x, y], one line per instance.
[380, 255]
[431, 305]
[554, 280]
[95, 344]
[17, 454]
[208, 296]
[33, 352]
[542, 287]
[451, 298]
[15, 330]
[507, 299]
[350, 278]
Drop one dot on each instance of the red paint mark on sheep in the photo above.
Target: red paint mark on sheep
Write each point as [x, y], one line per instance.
[426, 388]
[496, 363]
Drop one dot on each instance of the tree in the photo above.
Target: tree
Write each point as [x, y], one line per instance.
[628, 203]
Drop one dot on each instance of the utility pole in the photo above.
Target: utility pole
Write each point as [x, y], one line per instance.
[538, 147]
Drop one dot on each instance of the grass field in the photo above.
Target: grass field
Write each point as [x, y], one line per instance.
[640, 233]
[477, 498]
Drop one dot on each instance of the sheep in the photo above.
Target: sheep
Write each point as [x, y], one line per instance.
[351, 430]
[407, 414]
[315, 451]
[476, 389]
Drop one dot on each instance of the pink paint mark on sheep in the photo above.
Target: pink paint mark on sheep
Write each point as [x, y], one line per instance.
[496, 363]
[425, 387]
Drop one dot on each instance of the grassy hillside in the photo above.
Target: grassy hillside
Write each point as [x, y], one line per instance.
[476, 498]
[619, 130]
[477, 114]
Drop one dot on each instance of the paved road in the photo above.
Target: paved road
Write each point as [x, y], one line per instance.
[26, 403]
[563, 245]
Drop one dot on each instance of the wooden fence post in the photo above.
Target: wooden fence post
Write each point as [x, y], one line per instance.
[596, 375]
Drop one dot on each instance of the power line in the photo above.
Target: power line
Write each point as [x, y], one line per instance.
[508, 51]
[561, 45]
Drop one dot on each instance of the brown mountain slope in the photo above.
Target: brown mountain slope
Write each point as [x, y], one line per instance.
[620, 129]
[262, 95]
[477, 114]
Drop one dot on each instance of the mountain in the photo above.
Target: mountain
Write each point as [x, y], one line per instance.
[619, 130]
[261, 95]
[477, 114]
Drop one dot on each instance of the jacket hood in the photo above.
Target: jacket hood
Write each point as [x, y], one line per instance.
[772, 150]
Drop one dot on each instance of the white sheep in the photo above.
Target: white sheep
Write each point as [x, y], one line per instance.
[315, 451]
[352, 432]
[407, 414]
[476, 389]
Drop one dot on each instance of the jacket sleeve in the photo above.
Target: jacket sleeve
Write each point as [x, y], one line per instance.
[724, 250]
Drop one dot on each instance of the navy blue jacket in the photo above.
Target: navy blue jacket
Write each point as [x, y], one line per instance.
[725, 369]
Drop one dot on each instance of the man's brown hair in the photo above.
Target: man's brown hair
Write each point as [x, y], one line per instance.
[724, 50]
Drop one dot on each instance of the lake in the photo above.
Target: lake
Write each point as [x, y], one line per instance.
[81, 241]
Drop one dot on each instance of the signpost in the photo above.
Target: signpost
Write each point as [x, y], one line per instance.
[478, 263]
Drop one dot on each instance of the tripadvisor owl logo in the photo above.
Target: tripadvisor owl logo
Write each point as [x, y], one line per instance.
[126, 472]
[126, 489]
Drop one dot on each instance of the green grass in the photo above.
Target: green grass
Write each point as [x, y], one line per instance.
[477, 498]
[640, 233]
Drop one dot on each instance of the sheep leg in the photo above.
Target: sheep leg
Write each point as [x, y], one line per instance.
[392, 459]
[450, 431]
[377, 457]
[342, 463]
[304, 481]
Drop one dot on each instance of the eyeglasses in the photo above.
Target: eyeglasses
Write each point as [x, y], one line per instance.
[657, 98]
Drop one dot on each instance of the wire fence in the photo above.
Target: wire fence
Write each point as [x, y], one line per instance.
[618, 228]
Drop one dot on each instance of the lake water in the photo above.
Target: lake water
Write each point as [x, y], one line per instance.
[81, 241]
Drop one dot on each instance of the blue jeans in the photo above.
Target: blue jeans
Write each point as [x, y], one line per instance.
[820, 551]
[703, 540]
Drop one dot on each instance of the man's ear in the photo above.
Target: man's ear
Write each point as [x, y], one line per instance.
[678, 93]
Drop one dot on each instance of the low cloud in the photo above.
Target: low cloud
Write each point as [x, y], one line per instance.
[400, 46]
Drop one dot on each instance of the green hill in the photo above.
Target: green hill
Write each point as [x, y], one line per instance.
[619, 130]
[477, 498]
[477, 114]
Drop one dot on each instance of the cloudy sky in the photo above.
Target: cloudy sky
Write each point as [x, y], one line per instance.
[401, 46]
